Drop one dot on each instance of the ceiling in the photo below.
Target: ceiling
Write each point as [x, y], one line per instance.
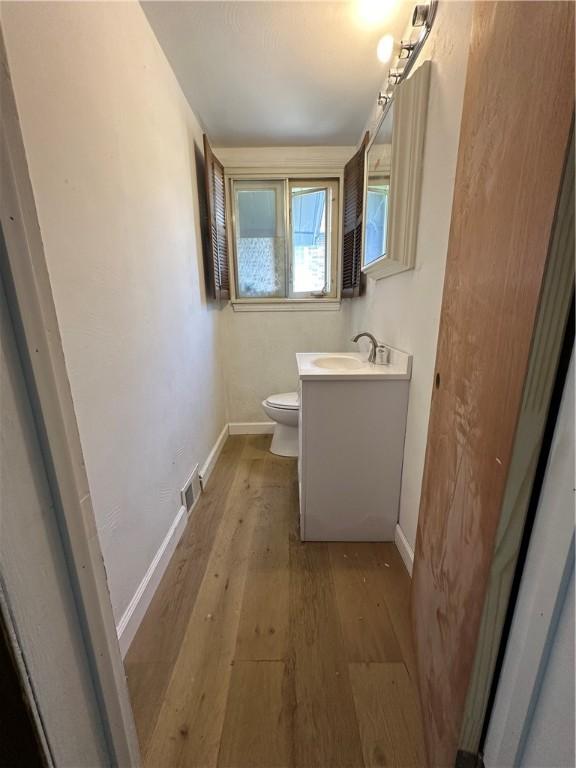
[273, 73]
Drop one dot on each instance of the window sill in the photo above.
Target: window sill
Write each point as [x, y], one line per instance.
[291, 305]
[384, 267]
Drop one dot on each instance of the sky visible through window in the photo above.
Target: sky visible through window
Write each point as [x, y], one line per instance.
[309, 240]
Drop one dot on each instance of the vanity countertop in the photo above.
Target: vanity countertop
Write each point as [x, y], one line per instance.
[352, 366]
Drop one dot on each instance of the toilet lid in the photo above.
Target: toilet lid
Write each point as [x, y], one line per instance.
[288, 400]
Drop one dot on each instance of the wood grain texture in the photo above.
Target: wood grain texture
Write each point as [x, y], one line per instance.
[325, 725]
[388, 713]
[555, 300]
[190, 721]
[367, 630]
[392, 583]
[150, 658]
[258, 726]
[515, 126]
[215, 685]
[263, 629]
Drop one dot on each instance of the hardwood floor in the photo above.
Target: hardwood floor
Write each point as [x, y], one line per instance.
[259, 651]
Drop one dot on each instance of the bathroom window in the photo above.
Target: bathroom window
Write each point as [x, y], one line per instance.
[376, 227]
[285, 239]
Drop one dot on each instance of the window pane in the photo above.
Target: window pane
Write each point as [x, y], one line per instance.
[309, 241]
[376, 220]
[260, 241]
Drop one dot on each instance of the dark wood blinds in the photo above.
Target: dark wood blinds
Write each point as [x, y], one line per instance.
[217, 269]
[352, 224]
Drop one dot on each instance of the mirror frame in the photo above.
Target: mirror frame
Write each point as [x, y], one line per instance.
[410, 97]
[408, 134]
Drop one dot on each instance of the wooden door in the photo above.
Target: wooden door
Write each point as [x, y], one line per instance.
[516, 122]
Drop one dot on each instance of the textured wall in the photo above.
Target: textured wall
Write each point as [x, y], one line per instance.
[260, 353]
[110, 143]
[404, 310]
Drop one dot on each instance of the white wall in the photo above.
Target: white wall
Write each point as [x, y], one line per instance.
[110, 144]
[532, 722]
[404, 310]
[550, 741]
[260, 353]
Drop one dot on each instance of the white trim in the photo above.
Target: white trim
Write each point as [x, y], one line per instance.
[406, 551]
[134, 613]
[408, 136]
[210, 462]
[251, 427]
[283, 180]
[284, 159]
[286, 305]
[384, 267]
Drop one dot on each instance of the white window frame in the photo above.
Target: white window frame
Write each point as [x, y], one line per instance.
[331, 187]
[291, 301]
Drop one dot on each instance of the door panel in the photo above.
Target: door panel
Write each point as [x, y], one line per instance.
[516, 121]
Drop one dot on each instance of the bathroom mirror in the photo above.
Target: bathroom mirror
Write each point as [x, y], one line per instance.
[377, 193]
[393, 174]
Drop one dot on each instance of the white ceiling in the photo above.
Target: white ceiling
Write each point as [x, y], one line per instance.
[276, 73]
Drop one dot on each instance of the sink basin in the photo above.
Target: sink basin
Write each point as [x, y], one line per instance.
[339, 363]
[351, 366]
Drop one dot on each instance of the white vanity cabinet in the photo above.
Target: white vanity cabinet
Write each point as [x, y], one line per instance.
[352, 428]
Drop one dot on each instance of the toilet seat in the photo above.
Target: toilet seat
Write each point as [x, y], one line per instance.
[285, 400]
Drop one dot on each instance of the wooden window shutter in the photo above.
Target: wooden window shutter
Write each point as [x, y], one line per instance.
[352, 283]
[216, 262]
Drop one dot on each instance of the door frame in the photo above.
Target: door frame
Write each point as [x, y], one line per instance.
[522, 489]
[545, 578]
[26, 277]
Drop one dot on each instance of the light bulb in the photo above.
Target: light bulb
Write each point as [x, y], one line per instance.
[385, 48]
[371, 13]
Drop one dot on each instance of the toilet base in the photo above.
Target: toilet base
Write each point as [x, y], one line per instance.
[285, 441]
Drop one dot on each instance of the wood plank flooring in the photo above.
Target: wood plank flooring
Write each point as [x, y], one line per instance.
[259, 651]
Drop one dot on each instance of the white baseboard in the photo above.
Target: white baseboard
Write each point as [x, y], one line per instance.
[406, 551]
[210, 462]
[251, 427]
[137, 607]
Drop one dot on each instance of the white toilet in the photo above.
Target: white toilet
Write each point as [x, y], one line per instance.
[283, 409]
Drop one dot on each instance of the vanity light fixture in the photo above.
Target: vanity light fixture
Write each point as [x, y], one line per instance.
[385, 49]
[423, 16]
[395, 75]
[406, 49]
[372, 13]
[420, 15]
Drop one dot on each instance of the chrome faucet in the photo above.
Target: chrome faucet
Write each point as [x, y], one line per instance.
[374, 343]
